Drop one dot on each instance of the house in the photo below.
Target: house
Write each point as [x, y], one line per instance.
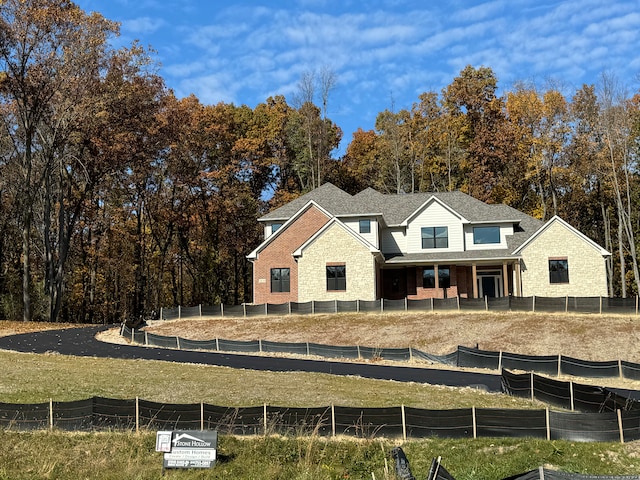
[330, 245]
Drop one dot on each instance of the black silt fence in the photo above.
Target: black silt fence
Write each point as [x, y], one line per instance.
[277, 308]
[394, 305]
[445, 303]
[188, 344]
[470, 357]
[542, 364]
[500, 304]
[550, 304]
[456, 423]
[255, 310]
[620, 305]
[419, 305]
[370, 305]
[521, 304]
[584, 304]
[473, 304]
[403, 422]
[345, 306]
[301, 308]
[581, 368]
[251, 346]
[511, 423]
[333, 351]
[161, 341]
[280, 347]
[233, 310]
[211, 310]
[324, 306]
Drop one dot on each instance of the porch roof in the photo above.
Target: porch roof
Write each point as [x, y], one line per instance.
[466, 257]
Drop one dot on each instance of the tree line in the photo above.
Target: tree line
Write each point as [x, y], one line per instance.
[118, 198]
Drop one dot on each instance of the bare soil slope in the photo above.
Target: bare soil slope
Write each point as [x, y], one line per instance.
[589, 337]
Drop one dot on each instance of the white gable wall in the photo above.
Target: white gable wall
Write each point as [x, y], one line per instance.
[435, 215]
[354, 224]
[505, 229]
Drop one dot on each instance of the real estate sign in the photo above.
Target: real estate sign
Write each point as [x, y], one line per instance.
[188, 448]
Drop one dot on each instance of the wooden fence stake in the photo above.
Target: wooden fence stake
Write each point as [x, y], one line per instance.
[404, 424]
[333, 420]
[620, 426]
[548, 425]
[137, 415]
[475, 427]
[50, 414]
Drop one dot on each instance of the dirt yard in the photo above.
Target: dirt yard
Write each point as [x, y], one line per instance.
[589, 337]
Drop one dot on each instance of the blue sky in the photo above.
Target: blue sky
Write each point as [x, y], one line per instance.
[384, 53]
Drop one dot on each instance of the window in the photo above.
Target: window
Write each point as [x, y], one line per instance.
[365, 226]
[279, 280]
[336, 277]
[444, 277]
[486, 235]
[435, 237]
[429, 277]
[275, 227]
[558, 270]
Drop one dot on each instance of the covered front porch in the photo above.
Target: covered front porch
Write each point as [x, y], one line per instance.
[476, 279]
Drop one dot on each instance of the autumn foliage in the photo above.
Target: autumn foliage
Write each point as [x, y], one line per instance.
[117, 198]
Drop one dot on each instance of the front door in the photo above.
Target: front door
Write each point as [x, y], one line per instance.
[490, 285]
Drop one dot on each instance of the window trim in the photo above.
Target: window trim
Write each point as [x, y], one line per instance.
[339, 283]
[492, 227]
[429, 237]
[561, 278]
[279, 282]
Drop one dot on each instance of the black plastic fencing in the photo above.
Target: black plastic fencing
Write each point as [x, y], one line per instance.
[438, 472]
[99, 413]
[568, 395]
[517, 304]
[463, 357]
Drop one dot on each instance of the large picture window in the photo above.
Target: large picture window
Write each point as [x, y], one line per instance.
[435, 237]
[280, 280]
[336, 277]
[486, 235]
[558, 270]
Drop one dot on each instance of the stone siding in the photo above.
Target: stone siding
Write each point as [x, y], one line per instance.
[336, 246]
[587, 271]
[278, 254]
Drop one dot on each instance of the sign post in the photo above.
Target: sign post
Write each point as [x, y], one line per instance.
[187, 448]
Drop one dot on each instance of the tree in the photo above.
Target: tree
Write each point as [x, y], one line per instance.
[47, 51]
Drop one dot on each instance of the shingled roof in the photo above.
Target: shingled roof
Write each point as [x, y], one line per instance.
[395, 209]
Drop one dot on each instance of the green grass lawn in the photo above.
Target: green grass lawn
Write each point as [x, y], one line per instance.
[29, 378]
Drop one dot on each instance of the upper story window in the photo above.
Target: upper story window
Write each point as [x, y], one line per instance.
[435, 237]
[275, 227]
[280, 280]
[558, 270]
[365, 226]
[486, 235]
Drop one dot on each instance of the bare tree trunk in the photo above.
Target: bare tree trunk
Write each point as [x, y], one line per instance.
[623, 270]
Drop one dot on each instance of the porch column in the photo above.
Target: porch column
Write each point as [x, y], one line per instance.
[437, 280]
[474, 280]
[518, 278]
[505, 279]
